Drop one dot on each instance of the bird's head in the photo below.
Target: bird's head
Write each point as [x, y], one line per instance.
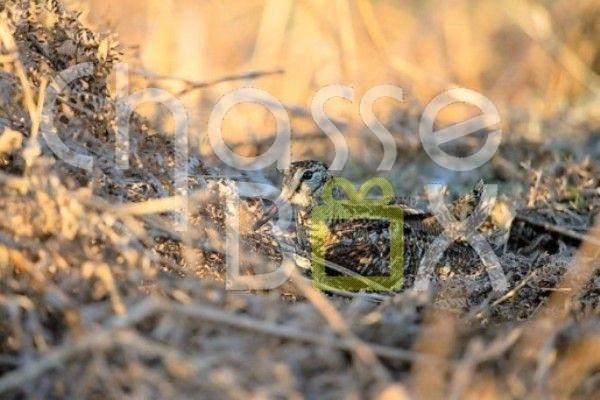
[300, 186]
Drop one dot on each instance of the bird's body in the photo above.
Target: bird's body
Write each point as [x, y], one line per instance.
[362, 246]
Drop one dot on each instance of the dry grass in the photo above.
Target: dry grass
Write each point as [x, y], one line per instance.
[101, 297]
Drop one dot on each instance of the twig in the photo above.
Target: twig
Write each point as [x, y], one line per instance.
[560, 230]
[106, 338]
[267, 141]
[534, 189]
[285, 331]
[193, 85]
[514, 291]
[33, 150]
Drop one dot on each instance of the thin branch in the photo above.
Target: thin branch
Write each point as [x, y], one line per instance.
[560, 230]
[194, 85]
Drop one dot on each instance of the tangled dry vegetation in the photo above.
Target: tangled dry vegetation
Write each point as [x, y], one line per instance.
[101, 298]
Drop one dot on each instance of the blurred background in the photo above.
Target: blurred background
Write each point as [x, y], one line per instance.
[538, 61]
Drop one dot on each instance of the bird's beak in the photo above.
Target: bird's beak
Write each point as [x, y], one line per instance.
[269, 213]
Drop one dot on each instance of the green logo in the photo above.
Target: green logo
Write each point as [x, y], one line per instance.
[357, 206]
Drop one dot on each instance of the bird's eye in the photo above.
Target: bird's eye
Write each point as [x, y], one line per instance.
[307, 175]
